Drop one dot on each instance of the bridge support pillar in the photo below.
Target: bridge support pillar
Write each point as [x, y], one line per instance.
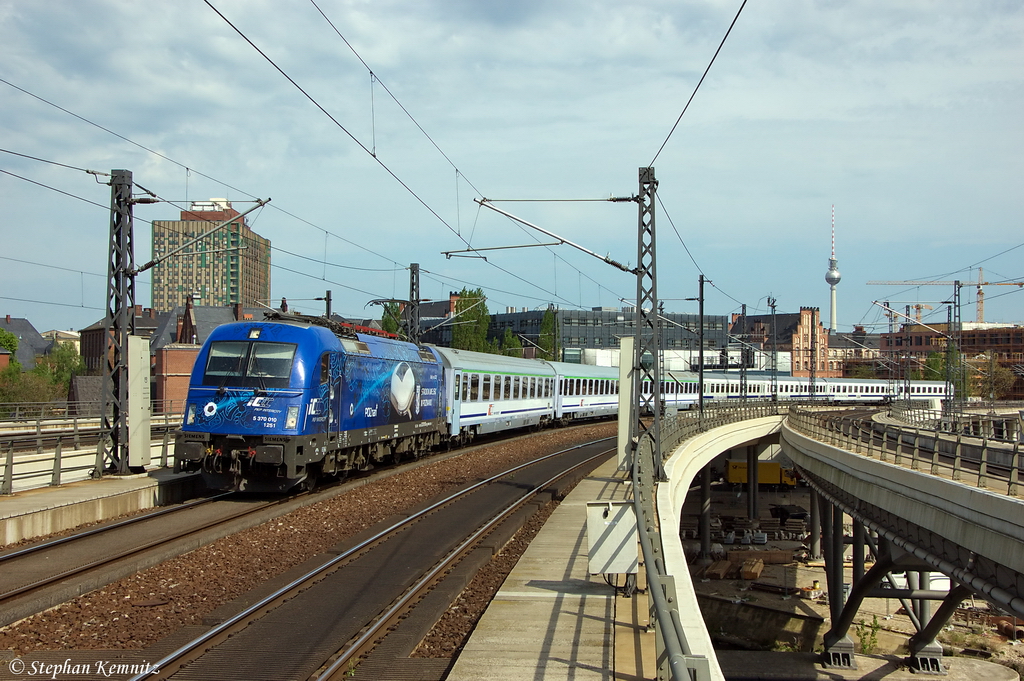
[753, 486]
[705, 514]
[925, 652]
[815, 530]
[838, 646]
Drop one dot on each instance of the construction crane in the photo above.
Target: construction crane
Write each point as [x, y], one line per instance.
[980, 283]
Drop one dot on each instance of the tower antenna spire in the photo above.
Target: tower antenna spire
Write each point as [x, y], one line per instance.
[833, 276]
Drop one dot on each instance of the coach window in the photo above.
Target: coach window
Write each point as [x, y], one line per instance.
[458, 386]
[474, 388]
[533, 387]
[506, 387]
[487, 388]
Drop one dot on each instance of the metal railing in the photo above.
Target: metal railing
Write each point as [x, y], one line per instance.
[979, 420]
[62, 440]
[682, 664]
[988, 464]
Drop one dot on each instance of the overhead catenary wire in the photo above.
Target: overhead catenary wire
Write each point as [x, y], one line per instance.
[694, 94]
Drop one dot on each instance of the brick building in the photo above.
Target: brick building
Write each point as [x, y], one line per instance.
[801, 334]
[914, 342]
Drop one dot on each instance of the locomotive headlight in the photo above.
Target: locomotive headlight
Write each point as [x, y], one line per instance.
[191, 417]
[293, 417]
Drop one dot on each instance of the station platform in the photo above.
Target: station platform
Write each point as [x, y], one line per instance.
[551, 619]
[45, 510]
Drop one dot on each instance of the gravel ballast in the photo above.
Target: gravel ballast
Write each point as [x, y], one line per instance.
[136, 612]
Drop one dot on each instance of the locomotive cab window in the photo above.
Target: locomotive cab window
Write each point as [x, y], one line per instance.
[249, 364]
[325, 369]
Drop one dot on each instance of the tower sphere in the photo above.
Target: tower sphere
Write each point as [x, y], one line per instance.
[832, 277]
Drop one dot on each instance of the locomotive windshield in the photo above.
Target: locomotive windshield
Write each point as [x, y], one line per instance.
[249, 364]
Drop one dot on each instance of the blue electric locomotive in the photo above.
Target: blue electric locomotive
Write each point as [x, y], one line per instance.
[275, 404]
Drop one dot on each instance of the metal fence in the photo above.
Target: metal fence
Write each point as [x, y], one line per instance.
[984, 462]
[64, 442]
[978, 419]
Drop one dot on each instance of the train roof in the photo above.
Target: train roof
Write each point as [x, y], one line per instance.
[467, 360]
[569, 370]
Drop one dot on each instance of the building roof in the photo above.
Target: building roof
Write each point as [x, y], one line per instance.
[30, 343]
[205, 318]
[755, 326]
[854, 340]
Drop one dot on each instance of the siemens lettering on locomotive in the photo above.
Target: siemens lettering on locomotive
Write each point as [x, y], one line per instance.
[277, 404]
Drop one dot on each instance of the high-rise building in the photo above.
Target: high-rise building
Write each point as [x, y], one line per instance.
[229, 267]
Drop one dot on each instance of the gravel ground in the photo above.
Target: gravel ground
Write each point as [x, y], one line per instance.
[451, 632]
[138, 611]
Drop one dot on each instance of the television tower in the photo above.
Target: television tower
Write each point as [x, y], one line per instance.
[833, 276]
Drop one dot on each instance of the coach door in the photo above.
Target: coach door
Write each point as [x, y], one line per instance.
[455, 400]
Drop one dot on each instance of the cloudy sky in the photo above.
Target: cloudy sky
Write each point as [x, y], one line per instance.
[906, 116]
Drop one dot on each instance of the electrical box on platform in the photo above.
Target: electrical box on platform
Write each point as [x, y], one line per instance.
[612, 537]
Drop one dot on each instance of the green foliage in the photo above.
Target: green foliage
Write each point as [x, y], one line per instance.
[389, 320]
[60, 365]
[868, 635]
[9, 341]
[548, 340]
[18, 386]
[469, 326]
[862, 371]
[511, 345]
[47, 381]
[935, 367]
[990, 380]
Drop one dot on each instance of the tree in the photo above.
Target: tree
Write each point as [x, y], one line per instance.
[9, 342]
[862, 371]
[59, 366]
[548, 340]
[389, 320]
[511, 345]
[935, 367]
[18, 386]
[469, 326]
[990, 380]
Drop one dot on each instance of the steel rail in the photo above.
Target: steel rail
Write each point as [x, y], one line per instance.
[106, 528]
[77, 570]
[338, 669]
[174, 661]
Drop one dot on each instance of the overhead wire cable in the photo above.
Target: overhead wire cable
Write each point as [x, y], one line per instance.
[694, 94]
[334, 120]
[376, 78]
[707, 279]
[54, 163]
[49, 302]
[361, 145]
[191, 170]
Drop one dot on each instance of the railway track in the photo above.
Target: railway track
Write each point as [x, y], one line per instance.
[42, 575]
[321, 622]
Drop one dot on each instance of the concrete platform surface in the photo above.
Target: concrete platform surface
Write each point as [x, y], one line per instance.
[44, 510]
